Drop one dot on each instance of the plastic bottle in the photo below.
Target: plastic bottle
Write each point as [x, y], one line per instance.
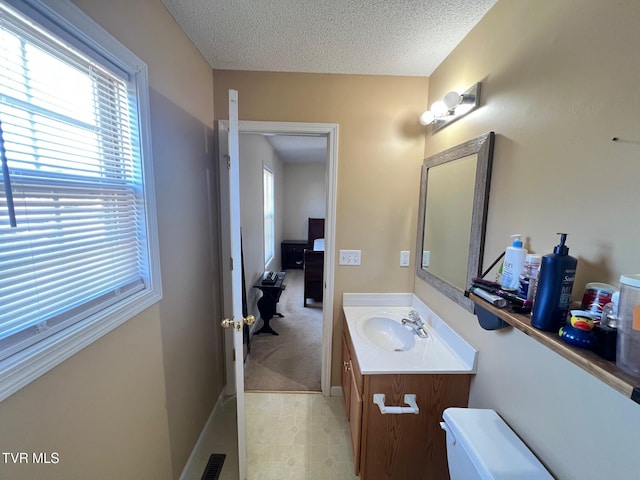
[513, 264]
[553, 296]
[607, 332]
[529, 277]
[610, 312]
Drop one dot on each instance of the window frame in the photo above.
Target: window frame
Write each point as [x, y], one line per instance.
[272, 241]
[68, 22]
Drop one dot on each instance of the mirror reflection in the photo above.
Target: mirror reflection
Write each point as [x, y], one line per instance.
[452, 216]
[447, 224]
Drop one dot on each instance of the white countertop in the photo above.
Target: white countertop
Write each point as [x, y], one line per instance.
[444, 351]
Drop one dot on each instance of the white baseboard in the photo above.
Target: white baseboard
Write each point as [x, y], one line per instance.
[185, 475]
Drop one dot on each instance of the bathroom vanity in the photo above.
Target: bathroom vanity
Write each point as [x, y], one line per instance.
[387, 363]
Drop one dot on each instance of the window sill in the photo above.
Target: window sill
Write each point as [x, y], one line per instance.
[18, 370]
[602, 369]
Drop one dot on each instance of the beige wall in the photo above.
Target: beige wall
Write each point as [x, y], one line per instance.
[380, 149]
[132, 404]
[559, 81]
[304, 197]
[103, 411]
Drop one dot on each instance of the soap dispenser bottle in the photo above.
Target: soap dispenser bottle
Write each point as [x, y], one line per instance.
[553, 296]
[513, 264]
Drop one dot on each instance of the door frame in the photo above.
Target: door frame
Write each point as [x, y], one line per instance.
[330, 131]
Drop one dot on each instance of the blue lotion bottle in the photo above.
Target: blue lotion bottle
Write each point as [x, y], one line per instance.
[553, 297]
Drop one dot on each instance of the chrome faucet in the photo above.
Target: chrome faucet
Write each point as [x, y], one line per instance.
[415, 323]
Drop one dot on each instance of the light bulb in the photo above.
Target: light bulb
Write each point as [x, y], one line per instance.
[451, 100]
[427, 118]
[439, 109]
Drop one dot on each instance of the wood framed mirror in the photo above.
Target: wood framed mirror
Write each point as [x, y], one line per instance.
[454, 195]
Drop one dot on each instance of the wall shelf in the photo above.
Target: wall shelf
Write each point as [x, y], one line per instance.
[597, 366]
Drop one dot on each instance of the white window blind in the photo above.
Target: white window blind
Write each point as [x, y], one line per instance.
[73, 210]
[269, 223]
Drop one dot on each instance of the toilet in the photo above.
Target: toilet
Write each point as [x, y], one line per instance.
[481, 446]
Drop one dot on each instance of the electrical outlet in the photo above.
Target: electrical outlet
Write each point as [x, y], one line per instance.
[405, 257]
[349, 257]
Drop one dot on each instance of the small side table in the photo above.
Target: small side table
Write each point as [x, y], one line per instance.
[267, 303]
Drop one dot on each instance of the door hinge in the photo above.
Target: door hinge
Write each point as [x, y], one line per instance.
[234, 355]
[231, 263]
[228, 158]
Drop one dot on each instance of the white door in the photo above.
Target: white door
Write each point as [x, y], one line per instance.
[233, 282]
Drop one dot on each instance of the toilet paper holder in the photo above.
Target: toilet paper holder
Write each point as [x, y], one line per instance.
[409, 399]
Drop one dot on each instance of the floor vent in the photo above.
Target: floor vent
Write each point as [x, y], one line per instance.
[214, 467]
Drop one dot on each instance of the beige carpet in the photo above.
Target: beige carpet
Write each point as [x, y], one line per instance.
[290, 361]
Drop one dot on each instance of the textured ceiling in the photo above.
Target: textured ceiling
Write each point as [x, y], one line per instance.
[376, 37]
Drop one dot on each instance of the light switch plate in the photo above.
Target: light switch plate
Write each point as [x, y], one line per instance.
[405, 258]
[426, 256]
[349, 257]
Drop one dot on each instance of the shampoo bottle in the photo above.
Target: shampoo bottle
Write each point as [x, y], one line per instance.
[513, 264]
[553, 296]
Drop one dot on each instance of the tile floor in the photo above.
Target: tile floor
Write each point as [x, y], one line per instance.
[294, 436]
[290, 436]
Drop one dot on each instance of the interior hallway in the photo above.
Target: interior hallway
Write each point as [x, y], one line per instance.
[290, 436]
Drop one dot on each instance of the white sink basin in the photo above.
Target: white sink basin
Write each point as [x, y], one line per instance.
[388, 334]
[382, 345]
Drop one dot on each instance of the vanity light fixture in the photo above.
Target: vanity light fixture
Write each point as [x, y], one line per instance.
[453, 106]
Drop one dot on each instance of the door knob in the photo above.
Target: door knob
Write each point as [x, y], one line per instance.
[226, 323]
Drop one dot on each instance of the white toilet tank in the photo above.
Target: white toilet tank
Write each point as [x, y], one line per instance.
[481, 446]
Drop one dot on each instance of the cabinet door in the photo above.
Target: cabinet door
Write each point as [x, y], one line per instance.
[392, 443]
[355, 420]
[346, 375]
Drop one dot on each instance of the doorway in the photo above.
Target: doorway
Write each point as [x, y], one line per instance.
[283, 185]
[330, 133]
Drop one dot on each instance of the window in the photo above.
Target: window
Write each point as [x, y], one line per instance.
[269, 226]
[78, 239]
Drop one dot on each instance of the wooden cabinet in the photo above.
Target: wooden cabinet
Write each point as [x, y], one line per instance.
[390, 447]
[313, 276]
[292, 252]
[352, 388]
[355, 421]
[346, 376]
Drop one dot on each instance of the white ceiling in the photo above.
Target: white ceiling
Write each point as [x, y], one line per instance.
[374, 37]
[299, 149]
